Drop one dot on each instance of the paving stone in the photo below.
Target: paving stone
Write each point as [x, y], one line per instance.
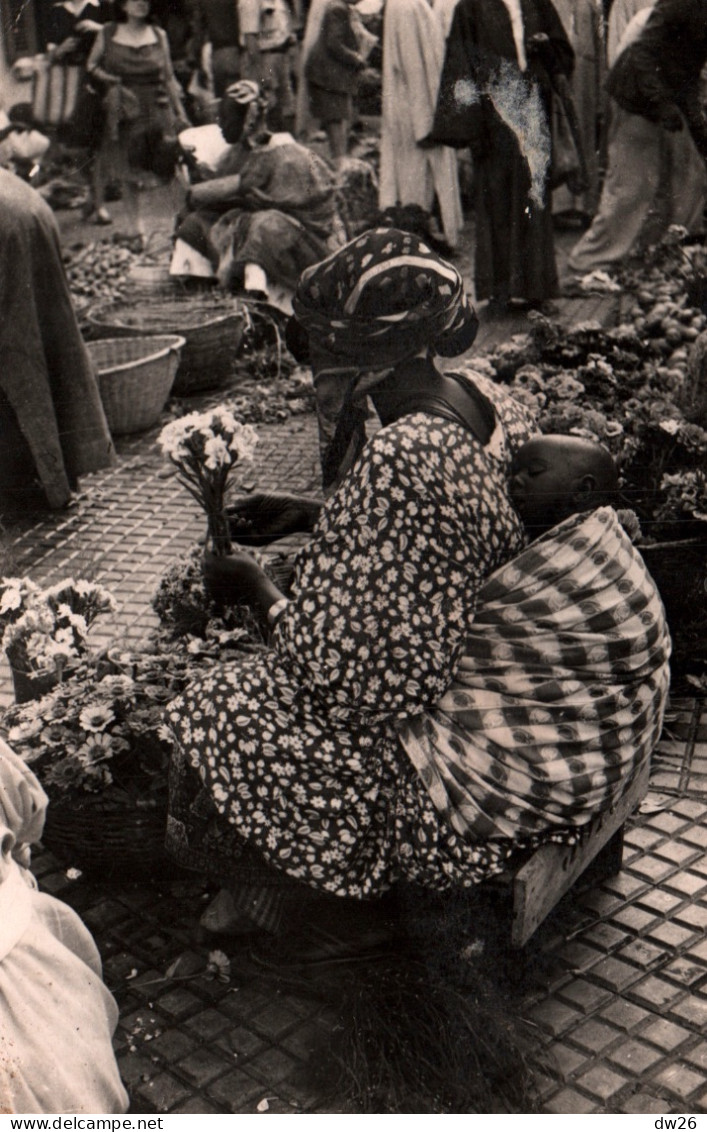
[625, 1015]
[659, 901]
[594, 1036]
[570, 1103]
[554, 1016]
[272, 1065]
[208, 1024]
[652, 868]
[602, 903]
[690, 808]
[241, 1040]
[578, 956]
[164, 1092]
[615, 973]
[680, 1079]
[665, 1034]
[666, 821]
[642, 837]
[607, 936]
[637, 919]
[180, 1002]
[654, 992]
[688, 883]
[699, 951]
[673, 935]
[693, 914]
[643, 953]
[275, 1020]
[566, 1059]
[172, 1044]
[602, 1082]
[691, 1009]
[195, 1106]
[202, 1066]
[685, 972]
[696, 835]
[641, 1103]
[635, 1056]
[679, 853]
[234, 1090]
[623, 884]
[586, 995]
[697, 1056]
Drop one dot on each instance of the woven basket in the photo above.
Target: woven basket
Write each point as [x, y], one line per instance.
[135, 376]
[113, 838]
[212, 327]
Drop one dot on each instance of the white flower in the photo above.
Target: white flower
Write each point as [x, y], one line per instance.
[216, 453]
[96, 717]
[672, 427]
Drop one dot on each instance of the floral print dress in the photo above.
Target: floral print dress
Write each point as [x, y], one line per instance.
[298, 750]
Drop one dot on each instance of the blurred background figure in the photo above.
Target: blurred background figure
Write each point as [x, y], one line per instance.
[52, 423]
[131, 58]
[332, 62]
[411, 172]
[496, 97]
[655, 176]
[584, 23]
[216, 22]
[268, 33]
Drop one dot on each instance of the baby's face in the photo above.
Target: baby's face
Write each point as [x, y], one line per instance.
[541, 481]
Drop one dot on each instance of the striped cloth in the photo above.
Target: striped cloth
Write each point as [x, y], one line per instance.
[560, 695]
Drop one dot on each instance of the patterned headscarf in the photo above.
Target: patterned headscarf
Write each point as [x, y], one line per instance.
[382, 298]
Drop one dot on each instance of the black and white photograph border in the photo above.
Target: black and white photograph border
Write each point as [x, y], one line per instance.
[554, 232]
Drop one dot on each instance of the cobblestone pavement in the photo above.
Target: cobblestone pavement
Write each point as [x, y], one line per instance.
[617, 977]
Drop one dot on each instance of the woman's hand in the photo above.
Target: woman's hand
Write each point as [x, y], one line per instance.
[238, 579]
[258, 519]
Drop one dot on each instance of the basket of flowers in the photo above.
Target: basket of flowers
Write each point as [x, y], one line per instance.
[44, 632]
[97, 743]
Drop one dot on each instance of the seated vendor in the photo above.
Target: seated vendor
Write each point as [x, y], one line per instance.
[269, 211]
[296, 772]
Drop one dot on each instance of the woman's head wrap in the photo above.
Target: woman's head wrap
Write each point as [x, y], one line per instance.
[235, 107]
[382, 298]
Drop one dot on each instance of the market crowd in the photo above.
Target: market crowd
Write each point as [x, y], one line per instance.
[470, 658]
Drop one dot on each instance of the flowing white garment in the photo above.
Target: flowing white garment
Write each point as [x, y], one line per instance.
[57, 1017]
[413, 54]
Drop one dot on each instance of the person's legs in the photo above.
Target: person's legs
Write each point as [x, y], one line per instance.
[629, 193]
[337, 135]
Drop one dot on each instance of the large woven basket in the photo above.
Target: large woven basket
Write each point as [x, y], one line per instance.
[212, 327]
[109, 837]
[135, 376]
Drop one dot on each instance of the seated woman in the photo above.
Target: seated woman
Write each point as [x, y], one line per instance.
[269, 212]
[52, 424]
[57, 1017]
[298, 754]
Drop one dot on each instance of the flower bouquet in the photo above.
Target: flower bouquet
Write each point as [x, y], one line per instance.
[205, 448]
[45, 632]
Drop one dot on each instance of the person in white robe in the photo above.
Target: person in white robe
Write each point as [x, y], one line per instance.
[413, 55]
[57, 1017]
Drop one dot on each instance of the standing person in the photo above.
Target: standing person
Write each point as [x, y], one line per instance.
[413, 54]
[71, 31]
[495, 97]
[267, 31]
[655, 176]
[332, 65]
[52, 425]
[132, 58]
[583, 22]
[216, 22]
[658, 75]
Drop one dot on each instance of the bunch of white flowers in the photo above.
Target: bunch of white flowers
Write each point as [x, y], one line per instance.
[205, 447]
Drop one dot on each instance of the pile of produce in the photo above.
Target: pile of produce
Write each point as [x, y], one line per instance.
[97, 271]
